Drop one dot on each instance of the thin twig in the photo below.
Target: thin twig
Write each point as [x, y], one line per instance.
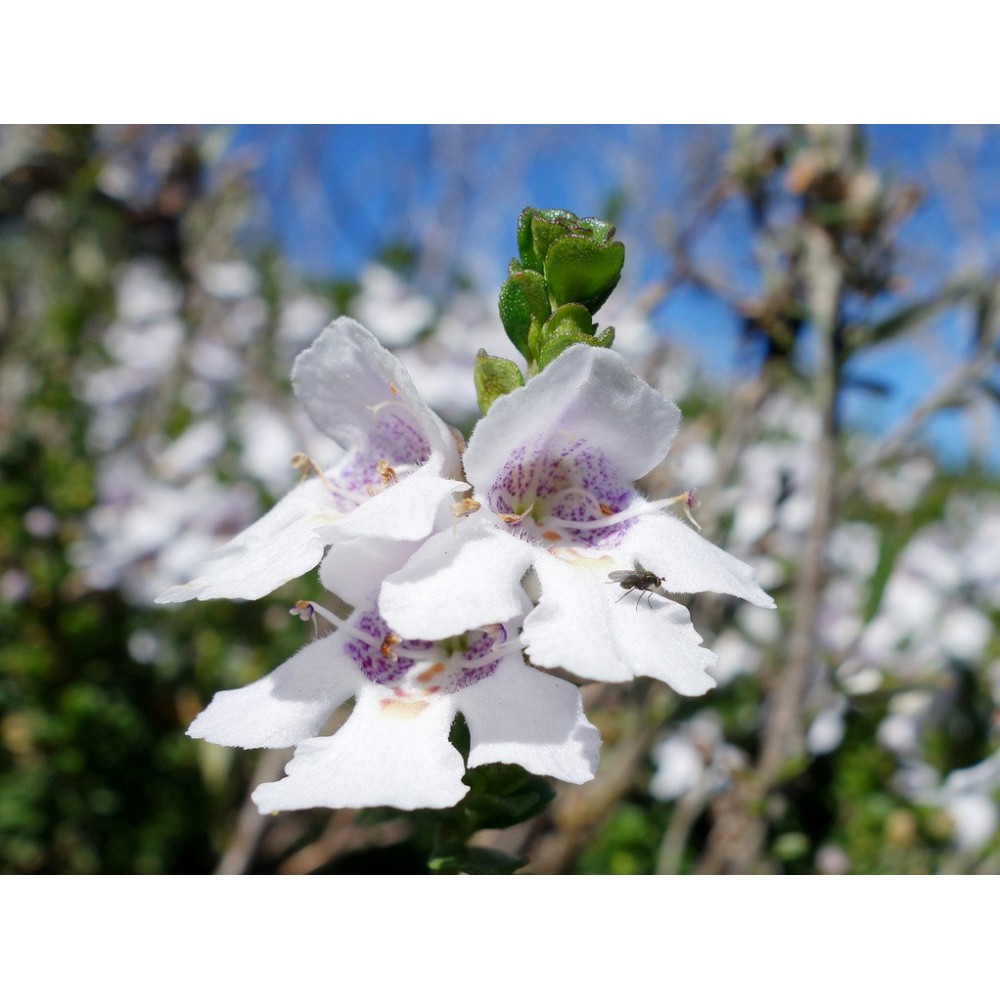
[784, 733]
[250, 823]
[951, 391]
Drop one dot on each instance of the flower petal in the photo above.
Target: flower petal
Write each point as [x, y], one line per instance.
[521, 716]
[346, 378]
[390, 751]
[279, 547]
[458, 580]
[290, 703]
[354, 568]
[582, 625]
[688, 563]
[590, 393]
[407, 510]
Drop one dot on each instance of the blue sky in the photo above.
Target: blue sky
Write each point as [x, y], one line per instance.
[334, 196]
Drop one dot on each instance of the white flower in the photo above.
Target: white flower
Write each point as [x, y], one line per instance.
[553, 467]
[393, 750]
[390, 484]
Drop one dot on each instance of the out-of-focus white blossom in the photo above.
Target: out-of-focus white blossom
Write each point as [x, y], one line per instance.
[695, 757]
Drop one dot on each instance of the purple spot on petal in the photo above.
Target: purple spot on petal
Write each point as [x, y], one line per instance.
[394, 439]
[580, 483]
[371, 662]
[468, 676]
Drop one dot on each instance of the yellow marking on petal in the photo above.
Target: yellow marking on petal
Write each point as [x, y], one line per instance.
[552, 536]
[425, 676]
[393, 389]
[588, 563]
[605, 509]
[402, 709]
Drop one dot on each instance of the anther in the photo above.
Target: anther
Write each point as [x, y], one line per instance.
[515, 518]
[386, 649]
[689, 501]
[307, 611]
[386, 472]
[465, 507]
[302, 609]
[301, 462]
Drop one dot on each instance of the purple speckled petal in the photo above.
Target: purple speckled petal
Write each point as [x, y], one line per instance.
[357, 393]
[558, 478]
[586, 395]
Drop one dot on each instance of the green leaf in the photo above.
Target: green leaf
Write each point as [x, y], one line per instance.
[475, 861]
[503, 795]
[568, 321]
[599, 229]
[494, 377]
[538, 229]
[523, 296]
[525, 243]
[579, 269]
[553, 347]
[536, 334]
[547, 228]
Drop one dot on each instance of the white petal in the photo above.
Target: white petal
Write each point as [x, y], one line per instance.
[279, 547]
[346, 375]
[522, 716]
[590, 393]
[407, 510]
[687, 562]
[580, 624]
[286, 706]
[458, 580]
[389, 753]
[354, 568]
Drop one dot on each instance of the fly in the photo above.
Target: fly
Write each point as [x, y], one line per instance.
[640, 579]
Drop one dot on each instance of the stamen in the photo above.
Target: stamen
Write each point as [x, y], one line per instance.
[629, 513]
[465, 507]
[378, 407]
[303, 610]
[496, 653]
[690, 502]
[386, 472]
[301, 462]
[307, 609]
[516, 518]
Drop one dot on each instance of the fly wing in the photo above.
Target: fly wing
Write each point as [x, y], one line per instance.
[620, 575]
